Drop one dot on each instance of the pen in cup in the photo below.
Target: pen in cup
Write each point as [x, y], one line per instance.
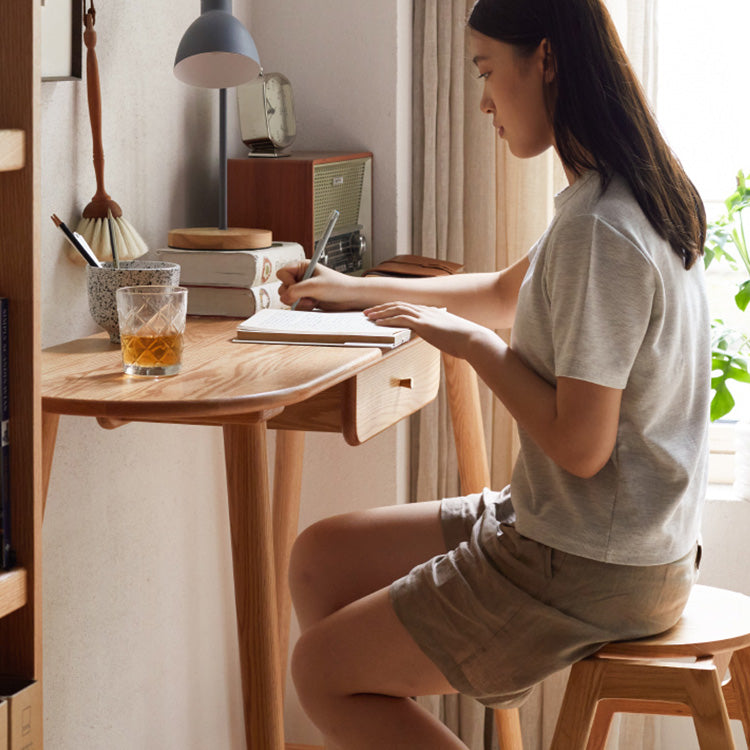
[112, 240]
[77, 242]
[319, 249]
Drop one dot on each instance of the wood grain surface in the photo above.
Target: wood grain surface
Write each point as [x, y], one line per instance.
[219, 378]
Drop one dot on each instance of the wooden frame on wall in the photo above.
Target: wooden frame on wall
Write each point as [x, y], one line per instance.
[62, 40]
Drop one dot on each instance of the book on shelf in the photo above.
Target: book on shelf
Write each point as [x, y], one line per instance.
[7, 553]
[320, 328]
[231, 301]
[235, 268]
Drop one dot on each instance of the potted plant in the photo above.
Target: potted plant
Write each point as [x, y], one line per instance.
[727, 241]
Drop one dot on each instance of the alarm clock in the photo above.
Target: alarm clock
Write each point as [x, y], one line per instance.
[266, 112]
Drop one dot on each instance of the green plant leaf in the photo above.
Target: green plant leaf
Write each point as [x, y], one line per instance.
[742, 298]
[721, 403]
[727, 242]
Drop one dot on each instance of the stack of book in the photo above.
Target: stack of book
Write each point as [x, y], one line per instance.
[232, 283]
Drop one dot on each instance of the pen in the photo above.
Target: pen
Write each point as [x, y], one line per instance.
[319, 249]
[78, 242]
[112, 240]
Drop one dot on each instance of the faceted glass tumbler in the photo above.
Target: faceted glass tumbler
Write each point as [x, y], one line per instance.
[152, 328]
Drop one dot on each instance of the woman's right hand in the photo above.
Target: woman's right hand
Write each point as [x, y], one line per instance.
[326, 288]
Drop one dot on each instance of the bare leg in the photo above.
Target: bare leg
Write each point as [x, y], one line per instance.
[355, 665]
[354, 672]
[341, 559]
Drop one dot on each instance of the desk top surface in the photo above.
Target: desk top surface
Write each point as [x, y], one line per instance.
[218, 377]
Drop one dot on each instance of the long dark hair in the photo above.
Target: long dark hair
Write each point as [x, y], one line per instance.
[600, 115]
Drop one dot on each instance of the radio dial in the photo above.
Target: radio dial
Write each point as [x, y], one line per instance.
[361, 245]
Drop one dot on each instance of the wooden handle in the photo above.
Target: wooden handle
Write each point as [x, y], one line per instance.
[101, 202]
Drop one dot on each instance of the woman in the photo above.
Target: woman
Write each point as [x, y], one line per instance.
[607, 376]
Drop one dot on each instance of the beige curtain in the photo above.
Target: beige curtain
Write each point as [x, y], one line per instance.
[474, 203]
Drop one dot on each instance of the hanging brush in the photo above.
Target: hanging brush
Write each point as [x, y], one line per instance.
[102, 235]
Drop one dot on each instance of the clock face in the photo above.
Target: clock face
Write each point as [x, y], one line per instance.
[279, 110]
[266, 110]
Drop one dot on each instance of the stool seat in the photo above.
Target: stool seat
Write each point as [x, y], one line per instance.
[650, 675]
[714, 621]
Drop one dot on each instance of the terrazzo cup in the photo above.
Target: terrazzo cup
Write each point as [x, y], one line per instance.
[103, 282]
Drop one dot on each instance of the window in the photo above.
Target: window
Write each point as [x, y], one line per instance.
[703, 100]
[703, 107]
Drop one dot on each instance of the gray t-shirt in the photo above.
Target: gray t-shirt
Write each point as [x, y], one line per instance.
[606, 300]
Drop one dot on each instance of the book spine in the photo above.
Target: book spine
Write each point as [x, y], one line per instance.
[232, 302]
[269, 261]
[7, 553]
[266, 297]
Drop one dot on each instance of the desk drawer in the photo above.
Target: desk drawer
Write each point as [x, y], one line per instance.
[382, 395]
[402, 382]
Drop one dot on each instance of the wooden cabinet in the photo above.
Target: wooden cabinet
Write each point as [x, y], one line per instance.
[293, 197]
[20, 589]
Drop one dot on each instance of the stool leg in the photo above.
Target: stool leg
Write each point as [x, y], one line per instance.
[695, 685]
[605, 712]
[709, 711]
[579, 706]
[508, 727]
[739, 689]
[631, 686]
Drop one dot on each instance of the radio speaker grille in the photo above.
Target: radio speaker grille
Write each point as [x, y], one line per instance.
[337, 185]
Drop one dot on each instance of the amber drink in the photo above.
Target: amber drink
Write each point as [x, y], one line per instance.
[152, 326]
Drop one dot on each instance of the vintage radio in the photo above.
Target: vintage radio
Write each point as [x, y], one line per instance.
[294, 195]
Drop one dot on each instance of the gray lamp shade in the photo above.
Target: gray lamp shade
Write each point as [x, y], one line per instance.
[216, 51]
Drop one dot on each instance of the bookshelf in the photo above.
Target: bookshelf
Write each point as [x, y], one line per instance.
[20, 76]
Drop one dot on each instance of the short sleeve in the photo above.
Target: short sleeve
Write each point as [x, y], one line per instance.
[600, 288]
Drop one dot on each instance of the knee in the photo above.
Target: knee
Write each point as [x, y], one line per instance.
[310, 557]
[309, 662]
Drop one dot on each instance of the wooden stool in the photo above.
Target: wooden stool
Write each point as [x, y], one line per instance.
[634, 676]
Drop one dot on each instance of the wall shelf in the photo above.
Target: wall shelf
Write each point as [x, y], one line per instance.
[12, 591]
[12, 150]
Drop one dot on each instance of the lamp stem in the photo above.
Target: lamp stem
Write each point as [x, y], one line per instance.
[225, 5]
[222, 158]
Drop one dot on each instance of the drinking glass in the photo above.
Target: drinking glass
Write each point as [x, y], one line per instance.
[152, 326]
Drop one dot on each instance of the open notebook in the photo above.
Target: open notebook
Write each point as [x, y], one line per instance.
[318, 327]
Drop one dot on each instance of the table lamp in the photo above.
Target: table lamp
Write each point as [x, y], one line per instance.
[218, 52]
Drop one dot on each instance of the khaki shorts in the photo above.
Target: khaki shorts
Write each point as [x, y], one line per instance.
[500, 612]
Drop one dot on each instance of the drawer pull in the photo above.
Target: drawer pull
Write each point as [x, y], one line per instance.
[404, 382]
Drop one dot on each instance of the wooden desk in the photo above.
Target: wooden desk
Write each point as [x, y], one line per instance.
[245, 388]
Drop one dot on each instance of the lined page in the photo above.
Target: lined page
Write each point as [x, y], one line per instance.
[351, 323]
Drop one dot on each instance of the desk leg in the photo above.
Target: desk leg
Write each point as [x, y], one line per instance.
[49, 436]
[287, 486]
[466, 416]
[254, 584]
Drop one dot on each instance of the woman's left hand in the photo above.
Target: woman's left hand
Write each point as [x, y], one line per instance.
[449, 333]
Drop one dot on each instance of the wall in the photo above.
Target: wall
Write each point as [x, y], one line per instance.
[139, 626]
[350, 71]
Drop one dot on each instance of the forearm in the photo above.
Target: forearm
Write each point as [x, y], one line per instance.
[477, 296]
[485, 298]
[530, 399]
